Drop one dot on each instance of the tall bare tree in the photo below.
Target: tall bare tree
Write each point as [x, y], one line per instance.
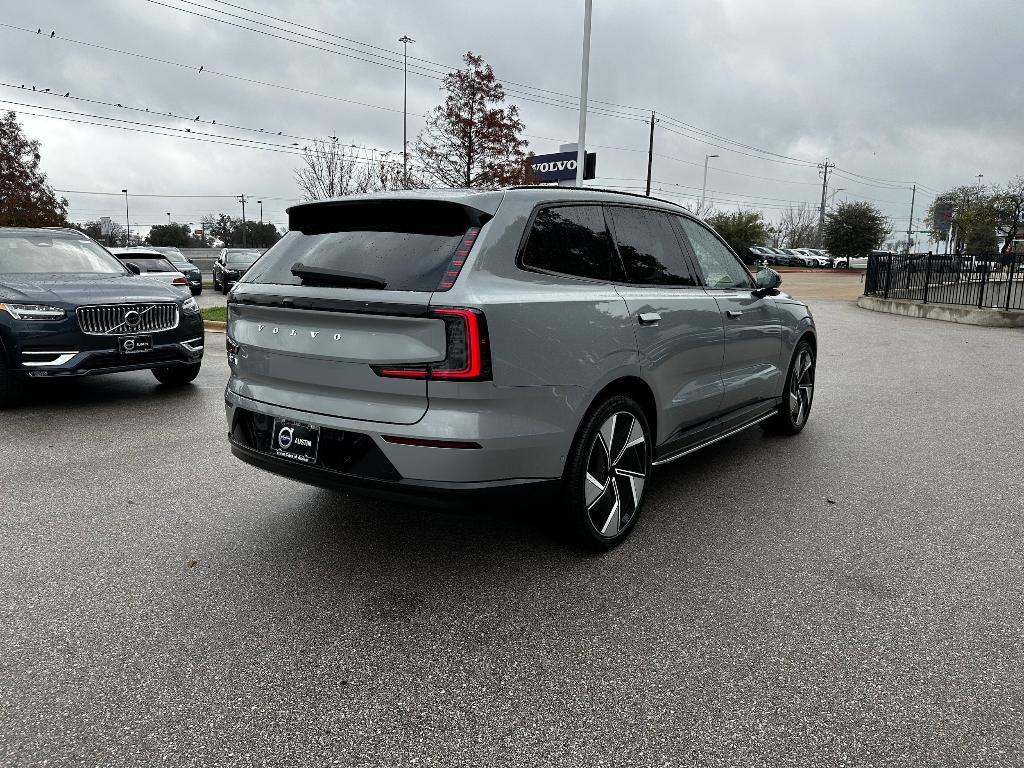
[700, 209]
[798, 227]
[332, 169]
[472, 140]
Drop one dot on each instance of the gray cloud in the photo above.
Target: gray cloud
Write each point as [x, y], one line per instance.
[909, 91]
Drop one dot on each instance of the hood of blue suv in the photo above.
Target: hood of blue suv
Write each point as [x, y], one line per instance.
[78, 289]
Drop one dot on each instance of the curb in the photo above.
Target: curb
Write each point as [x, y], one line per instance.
[951, 313]
[215, 325]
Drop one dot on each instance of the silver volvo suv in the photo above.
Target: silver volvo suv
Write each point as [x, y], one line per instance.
[451, 342]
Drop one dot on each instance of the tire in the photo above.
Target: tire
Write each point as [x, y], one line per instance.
[10, 387]
[601, 482]
[197, 291]
[177, 375]
[798, 396]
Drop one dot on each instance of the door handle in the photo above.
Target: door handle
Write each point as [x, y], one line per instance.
[649, 318]
[733, 313]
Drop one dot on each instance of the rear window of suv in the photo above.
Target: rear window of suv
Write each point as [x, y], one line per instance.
[406, 244]
[149, 263]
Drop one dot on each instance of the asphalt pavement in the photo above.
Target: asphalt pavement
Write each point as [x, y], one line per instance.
[850, 596]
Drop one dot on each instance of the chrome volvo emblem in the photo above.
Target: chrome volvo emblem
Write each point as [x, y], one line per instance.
[132, 318]
[285, 437]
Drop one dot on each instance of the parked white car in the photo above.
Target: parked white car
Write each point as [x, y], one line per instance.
[818, 257]
[152, 265]
[857, 262]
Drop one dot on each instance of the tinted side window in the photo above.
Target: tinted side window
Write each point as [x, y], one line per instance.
[571, 240]
[649, 248]
[721, 269]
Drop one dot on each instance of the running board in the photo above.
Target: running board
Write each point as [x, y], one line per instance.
[706, 443]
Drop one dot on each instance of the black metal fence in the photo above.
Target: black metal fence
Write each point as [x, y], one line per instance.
[975, 280]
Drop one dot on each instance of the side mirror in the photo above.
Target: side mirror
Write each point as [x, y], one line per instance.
[133, 267]
[190, 261]
[768, 280]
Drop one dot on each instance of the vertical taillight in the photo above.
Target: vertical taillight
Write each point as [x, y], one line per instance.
[467, 353]
[451, 274]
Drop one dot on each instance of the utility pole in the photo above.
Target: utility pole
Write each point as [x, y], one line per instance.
[241, 199]
[405, 40]
[650, 156]
[910, 224]
[261, 212]
[127, 220]
[824, 169]
[168, 218]
[581, 150]
[704, 186]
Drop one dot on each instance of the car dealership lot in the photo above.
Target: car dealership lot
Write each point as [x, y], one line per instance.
[164, 602]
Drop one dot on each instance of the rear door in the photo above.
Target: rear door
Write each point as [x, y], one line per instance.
[751, 362]
[311, 343]
[678, 326]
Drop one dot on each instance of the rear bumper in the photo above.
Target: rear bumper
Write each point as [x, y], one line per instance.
[424, 492]
[521, 438]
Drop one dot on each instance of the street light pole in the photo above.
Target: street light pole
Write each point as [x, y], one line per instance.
[405, 40]
[241, 199]
[704, 187]
[261, 212]
[650, 157]
[127, 220]
[581, 150]
[168, 218]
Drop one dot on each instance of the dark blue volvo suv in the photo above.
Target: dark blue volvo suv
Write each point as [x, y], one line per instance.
[70, 308]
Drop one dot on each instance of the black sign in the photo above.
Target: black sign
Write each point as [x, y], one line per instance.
[562, 165]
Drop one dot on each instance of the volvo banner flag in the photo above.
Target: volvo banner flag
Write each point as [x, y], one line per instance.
[562, 166]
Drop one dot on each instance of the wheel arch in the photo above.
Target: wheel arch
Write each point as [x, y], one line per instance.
[634, 387]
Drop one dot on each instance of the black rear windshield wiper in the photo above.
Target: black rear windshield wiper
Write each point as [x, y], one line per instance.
[328, 276]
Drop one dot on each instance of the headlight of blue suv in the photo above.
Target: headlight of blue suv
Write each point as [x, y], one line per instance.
[33, 311]
[189, 306]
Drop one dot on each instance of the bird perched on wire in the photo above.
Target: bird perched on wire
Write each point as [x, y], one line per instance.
[197, 119]
[53, 34]
[200, 68]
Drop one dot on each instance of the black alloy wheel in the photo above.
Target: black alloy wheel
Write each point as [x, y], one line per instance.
[607, 474]
[795, 408]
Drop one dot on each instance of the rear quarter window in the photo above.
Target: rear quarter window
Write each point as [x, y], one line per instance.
[570, 240]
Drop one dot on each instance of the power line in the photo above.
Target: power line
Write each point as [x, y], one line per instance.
[230, 142]
[719, 137]
[207, 71]
[386, 64]
[801, 163]
[160, 114]
[443, 68]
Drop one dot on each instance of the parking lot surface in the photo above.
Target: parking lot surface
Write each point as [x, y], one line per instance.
[851, 596]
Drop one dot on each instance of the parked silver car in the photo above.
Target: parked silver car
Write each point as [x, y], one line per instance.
[451, 342]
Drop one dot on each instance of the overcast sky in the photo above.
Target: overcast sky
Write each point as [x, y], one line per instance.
[900, 90]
